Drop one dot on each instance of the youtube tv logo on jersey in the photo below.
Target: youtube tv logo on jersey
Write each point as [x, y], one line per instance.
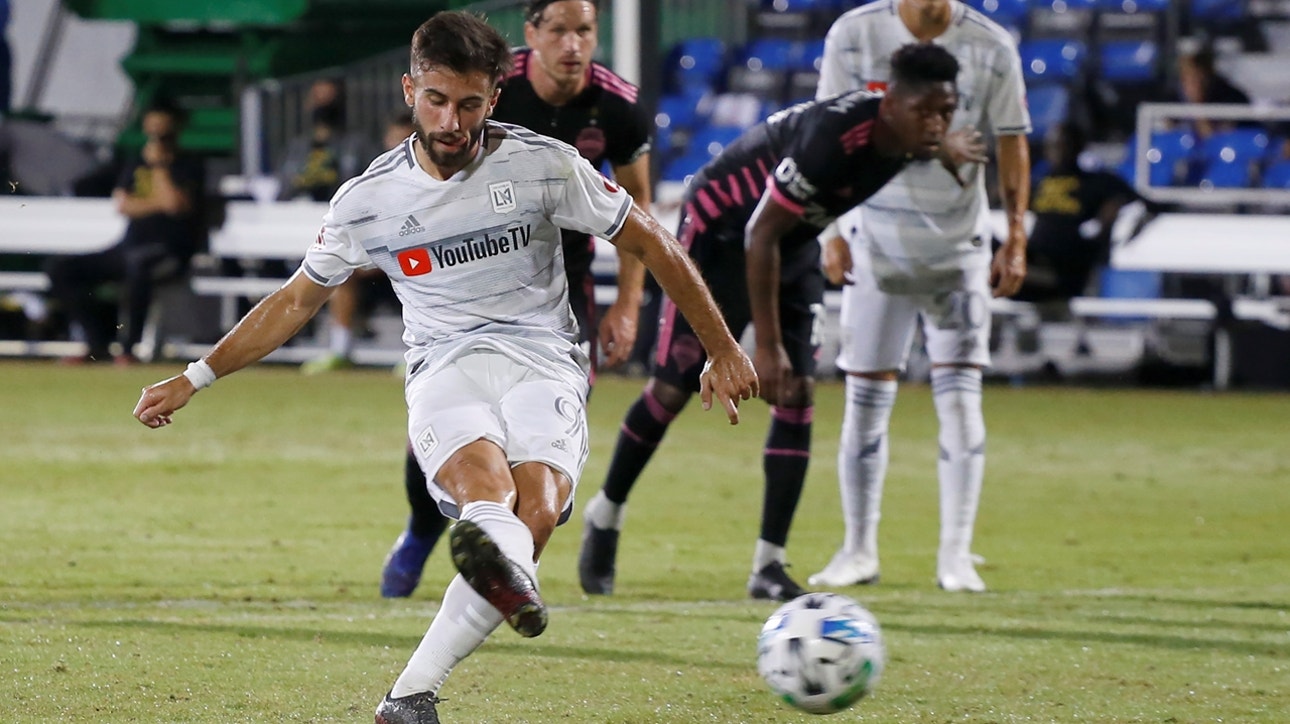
[415, 262]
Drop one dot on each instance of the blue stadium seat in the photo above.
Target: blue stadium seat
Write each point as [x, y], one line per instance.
[695, 64]
[1049, 106]
[1130, 284]
[678, 112]
[1277, 176]
[1217, 10]
[1230, 157]
[810, 55]
[1063, 6]
[1009, 13]
[712, 140]
[1132, 6]
[1169, 157]
[770, 54]
[685, 165]
[1052, 59]
[1129, 61]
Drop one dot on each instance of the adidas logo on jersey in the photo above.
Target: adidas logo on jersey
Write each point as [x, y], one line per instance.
[411, 226]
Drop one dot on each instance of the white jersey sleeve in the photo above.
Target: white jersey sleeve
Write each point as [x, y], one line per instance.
[334, 255]
[591, 203]
[1007, 111]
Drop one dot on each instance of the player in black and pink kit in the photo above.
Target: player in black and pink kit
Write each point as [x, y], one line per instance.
[751, 217]
[556, 89]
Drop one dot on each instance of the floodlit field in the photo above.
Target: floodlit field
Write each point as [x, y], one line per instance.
[225, 569]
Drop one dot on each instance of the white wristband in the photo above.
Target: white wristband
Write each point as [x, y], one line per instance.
[200, 374]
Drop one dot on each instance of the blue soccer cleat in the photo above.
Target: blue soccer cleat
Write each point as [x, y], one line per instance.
[403, 565]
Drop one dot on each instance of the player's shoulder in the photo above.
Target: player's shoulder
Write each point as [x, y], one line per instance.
[980, 28]
[384, 169]
[856, 19]
[509, 139]
[614, 86]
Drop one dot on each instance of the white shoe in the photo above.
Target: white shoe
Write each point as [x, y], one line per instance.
[846, 569]
[958, 574]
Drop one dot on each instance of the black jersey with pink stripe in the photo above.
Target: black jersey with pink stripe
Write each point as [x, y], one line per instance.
[605, 122]
[817, 158]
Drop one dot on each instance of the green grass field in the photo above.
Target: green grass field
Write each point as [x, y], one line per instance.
[225, 569]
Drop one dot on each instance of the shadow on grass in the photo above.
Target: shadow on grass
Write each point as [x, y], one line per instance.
[409, 643]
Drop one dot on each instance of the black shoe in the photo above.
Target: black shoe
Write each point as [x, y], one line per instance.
[413, 709]
[773, 582]
[497, 578]
[596, 559]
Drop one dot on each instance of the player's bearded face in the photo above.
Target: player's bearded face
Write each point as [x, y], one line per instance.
[449, 114]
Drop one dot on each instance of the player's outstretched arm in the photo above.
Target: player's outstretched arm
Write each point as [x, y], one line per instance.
[729, 375]
[266, 327]
[1008, 268]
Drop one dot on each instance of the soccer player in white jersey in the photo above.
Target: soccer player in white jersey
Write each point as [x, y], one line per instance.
[465, 219]
[920, 249]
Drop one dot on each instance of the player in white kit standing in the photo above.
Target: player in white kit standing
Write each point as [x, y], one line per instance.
[465, 219]
[920, 249]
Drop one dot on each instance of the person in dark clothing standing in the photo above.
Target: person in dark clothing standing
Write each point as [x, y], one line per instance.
[1074, 210]
[159, 193]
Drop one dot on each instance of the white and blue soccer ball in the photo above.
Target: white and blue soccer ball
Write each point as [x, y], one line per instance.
[821, 652]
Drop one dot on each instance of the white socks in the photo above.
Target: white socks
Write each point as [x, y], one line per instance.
[862, 460]
[957, 393]
[340, 340]
[767, 553]
[465, 619]
[603, 513]
[463, 622]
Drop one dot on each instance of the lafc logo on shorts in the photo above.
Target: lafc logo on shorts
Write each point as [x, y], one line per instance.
[502, 194]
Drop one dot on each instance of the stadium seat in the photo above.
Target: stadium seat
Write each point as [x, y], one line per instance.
[1132, 6]
[1009, 13]
[1277, 176]
[1217, 10]
[1052, 59]
[683, 166]
[1129, 61]
[1169, 157]
[678, 112]
[735, 110]
[1049, 106]
[1231, 157]
[712, 140]
[695, 65]
[1060, 19]
[763, 67]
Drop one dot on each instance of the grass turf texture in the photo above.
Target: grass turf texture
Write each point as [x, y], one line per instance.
[225, 569]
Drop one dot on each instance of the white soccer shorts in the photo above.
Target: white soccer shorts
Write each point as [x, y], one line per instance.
[877, 327]
[532, 415]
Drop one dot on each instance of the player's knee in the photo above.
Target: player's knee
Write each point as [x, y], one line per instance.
[669, 396]
[798, 394]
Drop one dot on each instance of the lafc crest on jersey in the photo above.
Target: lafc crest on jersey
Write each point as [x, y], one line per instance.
[502, 195]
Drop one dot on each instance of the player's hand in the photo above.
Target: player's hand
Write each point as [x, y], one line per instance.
[158, 402]
[1008, 268]
[729, 377]
[837, 261]
[774, 370]
[961, 146]
[618, 332]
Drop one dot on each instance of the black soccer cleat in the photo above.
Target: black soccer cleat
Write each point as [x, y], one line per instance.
[416, 708]
[596, 559]
[772, 582]
[497, 578]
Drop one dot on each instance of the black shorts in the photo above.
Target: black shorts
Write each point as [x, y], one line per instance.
[719, 254]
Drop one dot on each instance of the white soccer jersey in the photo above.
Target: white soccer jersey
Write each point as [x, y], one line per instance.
[923, 220]
[476, 259]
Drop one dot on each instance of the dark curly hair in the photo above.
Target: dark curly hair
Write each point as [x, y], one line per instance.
[922, 63]
[462, 43]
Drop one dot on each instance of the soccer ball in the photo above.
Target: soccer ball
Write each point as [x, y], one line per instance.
[821, 652]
